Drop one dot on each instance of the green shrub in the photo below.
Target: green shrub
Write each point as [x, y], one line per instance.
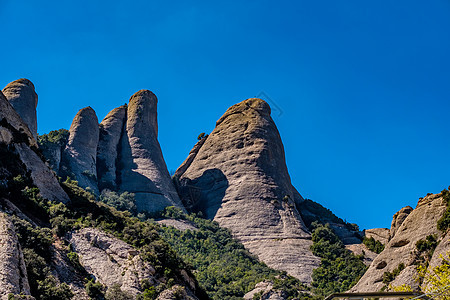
[115, 293]
[444, 222]
[373, 244]
[123, 202]
[95, 290]
[390, 276]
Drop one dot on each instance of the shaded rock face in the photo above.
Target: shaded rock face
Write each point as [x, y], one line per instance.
[13, 274]
[43, 177]
[80, 155]
[238, 177]
[143, 170]
[15, 133]
[12, 127]
[108, 147]
[22, 96]
[398, 219]
[111, 260]
[417, 225]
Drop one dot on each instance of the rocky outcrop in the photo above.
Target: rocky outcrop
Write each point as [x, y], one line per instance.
[239, 178]
[80, 155]
[143, 169]
[15, 133]
[22, 96]
[12, 127]
[401, 249]
[108, 147]
[177, 292]
[111, 260]
[43, 177]
[379, 234]
[398, 220]
[13, 274]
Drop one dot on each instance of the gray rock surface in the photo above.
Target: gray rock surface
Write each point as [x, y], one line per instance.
[111, 260]
[177, 292]
[22, 96]
[13, 274]
[266, 291]
[379, 234]
[108, 147]
[239, 178]
[182, 225]
[398, 219]
[12, 126]
[417, 225]
[43, 177]
[143, 169]
[359, 249]
[80, 155]
[14, 131]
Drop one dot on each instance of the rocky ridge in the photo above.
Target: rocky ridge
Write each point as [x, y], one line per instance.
[408, 227]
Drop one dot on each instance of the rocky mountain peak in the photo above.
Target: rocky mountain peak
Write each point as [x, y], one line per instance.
[142, 112]
[22, 96]
[143, 170]
[238, 177]
[80, 155]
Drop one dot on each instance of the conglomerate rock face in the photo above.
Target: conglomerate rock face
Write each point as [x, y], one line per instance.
[108, 147]
[142, 168]
[239, 178]
[401, 248]
[80, 155]
[15, 133]
[22, 96]
[13, 274]
[111, 260]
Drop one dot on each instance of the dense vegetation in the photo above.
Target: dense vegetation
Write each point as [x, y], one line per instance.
[55, 219]
[223, 267]
[373, 244]
[339, 269]
[312, 211]
[54, 137]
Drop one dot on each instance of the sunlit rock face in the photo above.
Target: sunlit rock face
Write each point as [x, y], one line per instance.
[22, 96]
[142, 169]
[238, 177]
[80, 155]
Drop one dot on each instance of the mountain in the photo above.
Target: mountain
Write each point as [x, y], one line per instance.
[92, 212]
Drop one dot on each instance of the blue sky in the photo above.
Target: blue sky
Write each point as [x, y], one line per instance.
[362, 87]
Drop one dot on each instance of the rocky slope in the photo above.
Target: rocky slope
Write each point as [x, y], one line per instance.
[238, 177]
[13, 274]
[408, 227]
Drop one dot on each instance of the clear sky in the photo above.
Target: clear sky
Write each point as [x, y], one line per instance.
[361, 89]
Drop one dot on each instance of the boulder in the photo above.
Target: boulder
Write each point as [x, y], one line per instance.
[238, 176]
[108, 147]
[80, 155]
[13, 273]
[143, 170]
[22, 96]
